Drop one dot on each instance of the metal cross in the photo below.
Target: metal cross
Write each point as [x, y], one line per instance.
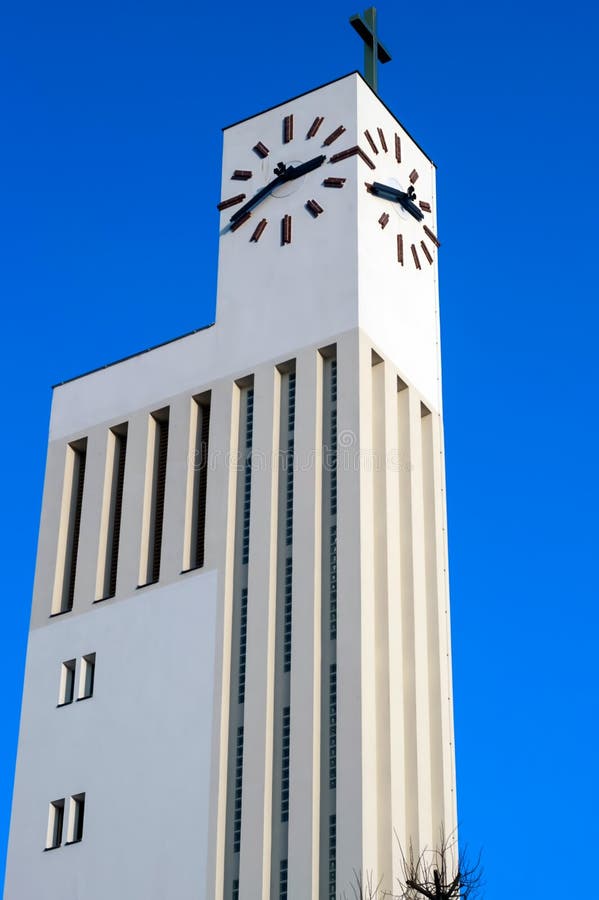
[373, 50]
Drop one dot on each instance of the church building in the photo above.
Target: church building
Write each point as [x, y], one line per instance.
[238, 679]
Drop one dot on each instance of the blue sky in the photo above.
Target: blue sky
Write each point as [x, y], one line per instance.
[109, 176]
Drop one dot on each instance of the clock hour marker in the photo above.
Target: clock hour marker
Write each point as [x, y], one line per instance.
[261, 149]
[432, 236]
[353, 151]
[382, 140]
[334, 182]
[333, 136]
[398, 148]
[413, 176]
[426, 252]
[384, 219]
[315, 126]
[287, 129]
[314, 207]
[240, 221]
[241, 175]
[368, 187]
[258, 230]
[400, 249]
[286, 230]
[232, 201]
[424, 205]
[415, 255]
[373, 146]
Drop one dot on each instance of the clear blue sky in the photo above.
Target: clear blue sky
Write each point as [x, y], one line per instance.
[109, 175]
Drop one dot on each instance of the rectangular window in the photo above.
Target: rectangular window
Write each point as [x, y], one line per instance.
[287, 615]
[283, 880]
[333, 726]
[70, 526]
[290, 461]
[67, 682]
[154, 498]
[333, 583]
[333, 438]
[332, 857]
[86, 677]
[55, 824]
[243, 634]
[76, 813]
[235, 891]
[247, 486]
[199, 482]
[238, 788]
[285, 766]
[115, 478]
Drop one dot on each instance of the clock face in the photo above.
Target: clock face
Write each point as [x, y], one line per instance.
[398, 205]
[273, 174]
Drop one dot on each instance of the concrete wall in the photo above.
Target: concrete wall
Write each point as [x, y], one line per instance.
[139, 748]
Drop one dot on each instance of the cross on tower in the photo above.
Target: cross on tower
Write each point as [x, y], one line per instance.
[373, 50]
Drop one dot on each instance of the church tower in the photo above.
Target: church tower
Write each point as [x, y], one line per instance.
[238, 680]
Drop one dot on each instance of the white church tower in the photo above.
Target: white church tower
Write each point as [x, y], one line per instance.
[238, 681]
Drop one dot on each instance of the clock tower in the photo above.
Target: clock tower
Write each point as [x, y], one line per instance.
[328, 256]
[242, 562]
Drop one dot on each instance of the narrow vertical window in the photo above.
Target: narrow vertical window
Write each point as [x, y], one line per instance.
[333, 583]
[67, 682]
[86, 678]
[243, 634]
[70, 526]
[285, 765]
[281, 772]
[332, 857]
[55, 824]
[333, 439]
[155, 493]
[287, 615]
[242, 438]
[283, 880]
[115, 477]
[199, 482]
[238, 789]
[290, 460]
[329, 606]
[247, 480]
[333, 726]
[76, 813]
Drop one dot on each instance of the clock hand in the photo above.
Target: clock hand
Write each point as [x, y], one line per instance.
[284, 174]
[405, 199]
[297, 171]
[258, 197]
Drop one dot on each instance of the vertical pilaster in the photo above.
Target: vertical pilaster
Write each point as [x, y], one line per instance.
[396, 466]
[420, 626]
[352, 756]
[254, 877]
[449, 806]
[49, 538]
[381, 499]
[133, 502]
[408, 774]
[363, 466]
[306, 629]
[177, 478]
[87, 552]
[219, 555]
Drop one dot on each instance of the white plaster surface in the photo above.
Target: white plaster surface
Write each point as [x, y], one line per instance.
[340, 271]
[139, 749]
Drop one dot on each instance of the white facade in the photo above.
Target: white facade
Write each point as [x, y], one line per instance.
[323, 589]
